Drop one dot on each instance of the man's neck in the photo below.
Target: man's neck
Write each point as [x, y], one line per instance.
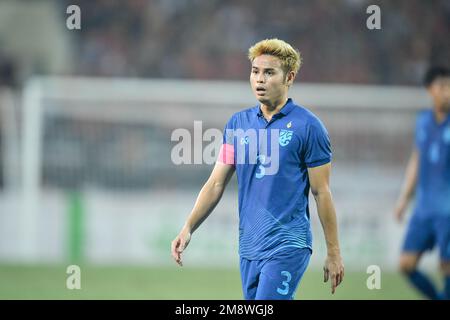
[270, 110]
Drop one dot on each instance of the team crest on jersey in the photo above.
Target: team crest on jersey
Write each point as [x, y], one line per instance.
[446, 135]
[285, 137]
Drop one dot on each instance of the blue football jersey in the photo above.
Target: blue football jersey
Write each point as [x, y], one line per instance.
[433, 144]
[271, 159]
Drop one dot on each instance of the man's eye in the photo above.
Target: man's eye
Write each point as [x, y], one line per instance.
[269, 73]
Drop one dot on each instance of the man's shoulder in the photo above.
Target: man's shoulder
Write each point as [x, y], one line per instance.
[247, 111]
[243, 114]
[424, 115]
[306, 116]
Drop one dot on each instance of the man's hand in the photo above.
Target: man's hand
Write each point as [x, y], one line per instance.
[179, 244]
[333, 270]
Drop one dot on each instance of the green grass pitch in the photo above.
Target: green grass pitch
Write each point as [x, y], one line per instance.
[172, 283]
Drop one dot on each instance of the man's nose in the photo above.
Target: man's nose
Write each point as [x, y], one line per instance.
[260, 78]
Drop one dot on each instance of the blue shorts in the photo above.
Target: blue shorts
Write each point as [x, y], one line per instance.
[274, 278]
[425, 232]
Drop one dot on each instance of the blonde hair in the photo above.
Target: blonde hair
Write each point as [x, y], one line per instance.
[291, 59]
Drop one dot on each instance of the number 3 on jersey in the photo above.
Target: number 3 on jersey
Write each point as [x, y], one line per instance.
[285, 290]
[261, 170]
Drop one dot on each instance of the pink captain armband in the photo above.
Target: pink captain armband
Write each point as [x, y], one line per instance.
[226, 154]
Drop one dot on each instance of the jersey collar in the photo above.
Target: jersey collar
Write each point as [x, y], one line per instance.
[289, 105]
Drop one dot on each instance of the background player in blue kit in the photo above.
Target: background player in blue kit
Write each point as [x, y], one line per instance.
[279, 151]
[428, 176]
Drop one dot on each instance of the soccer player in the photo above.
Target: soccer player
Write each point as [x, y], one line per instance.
[275, 242]
[428, 176]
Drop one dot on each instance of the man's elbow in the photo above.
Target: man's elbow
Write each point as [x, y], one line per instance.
[216, 185]
[219, 185]
[320, 192]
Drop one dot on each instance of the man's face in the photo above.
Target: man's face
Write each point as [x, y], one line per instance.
[268, 80]
[440, 93]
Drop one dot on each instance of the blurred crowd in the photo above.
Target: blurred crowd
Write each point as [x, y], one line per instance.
[209, 39]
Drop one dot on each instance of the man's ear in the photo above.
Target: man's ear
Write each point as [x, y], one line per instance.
[290, 76]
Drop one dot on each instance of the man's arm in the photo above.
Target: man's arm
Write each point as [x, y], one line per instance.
[319, 180]
[207, 200]
[408, 187]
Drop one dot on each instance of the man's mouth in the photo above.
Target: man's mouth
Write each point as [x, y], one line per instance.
[260, 90]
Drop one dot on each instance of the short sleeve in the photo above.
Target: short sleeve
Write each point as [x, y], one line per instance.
[419, 134]
[317, 149]
[226, 154]
[228, 132]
